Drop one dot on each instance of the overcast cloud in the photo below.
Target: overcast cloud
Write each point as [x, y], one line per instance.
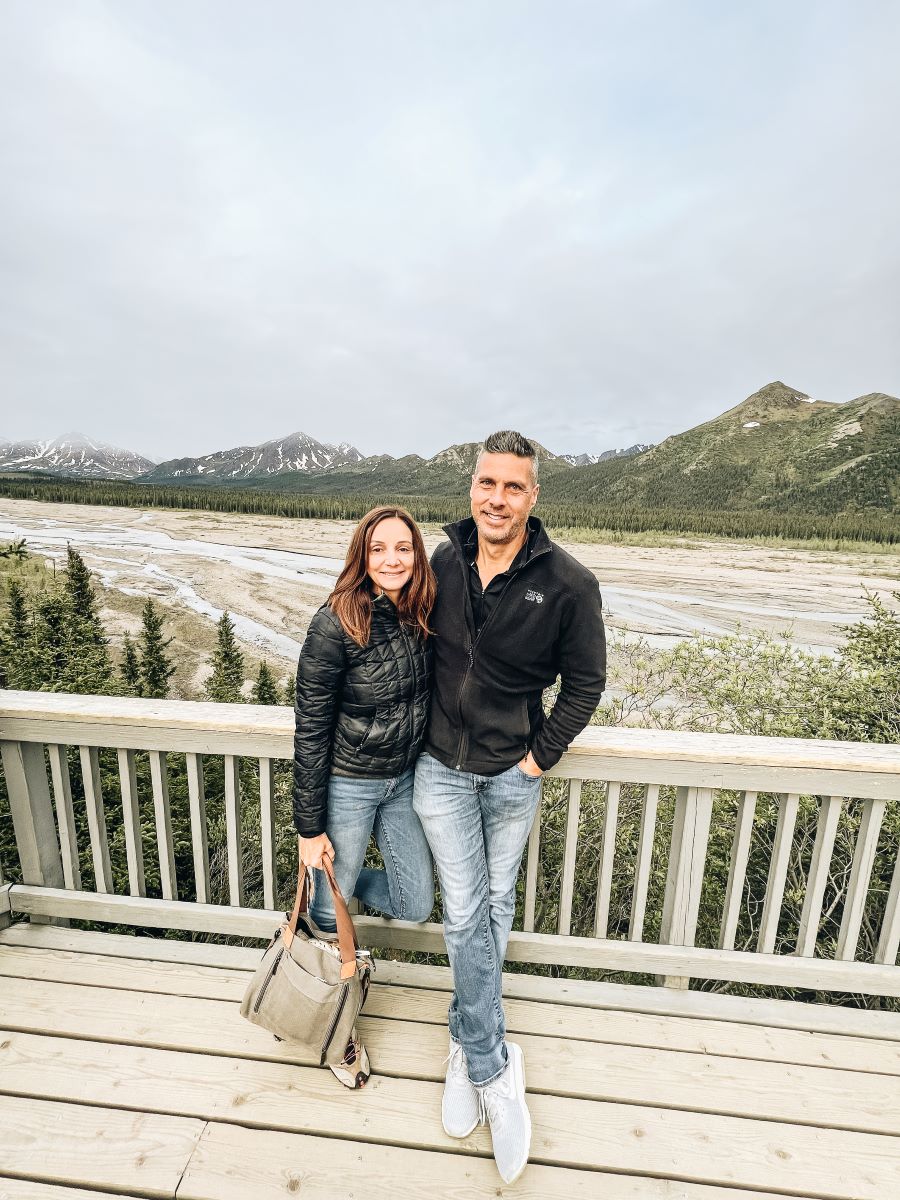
[403, 223]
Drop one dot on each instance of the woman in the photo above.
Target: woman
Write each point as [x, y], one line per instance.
[363, 684]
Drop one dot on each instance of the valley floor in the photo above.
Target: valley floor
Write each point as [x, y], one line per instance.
[272, 573]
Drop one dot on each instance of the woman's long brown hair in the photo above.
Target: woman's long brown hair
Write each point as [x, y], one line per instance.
[351, 600]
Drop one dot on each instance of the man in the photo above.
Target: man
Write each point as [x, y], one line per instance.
[513, 612]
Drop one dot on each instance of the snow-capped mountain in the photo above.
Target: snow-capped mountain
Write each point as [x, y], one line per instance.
[588, 460]
[73, 454]
[296, 452]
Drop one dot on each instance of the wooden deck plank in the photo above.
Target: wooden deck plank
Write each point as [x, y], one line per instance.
[575, 1133]
[669, 1079]
[732, 1040]
[694, 1005]
[232, 1163]
[28, 1189]
[266, 1095]
[141, 1153]
[645, 1147]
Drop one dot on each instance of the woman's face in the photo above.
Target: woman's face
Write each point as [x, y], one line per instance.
[391, 557]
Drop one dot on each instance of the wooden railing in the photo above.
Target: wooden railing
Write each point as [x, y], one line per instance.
[669, 786]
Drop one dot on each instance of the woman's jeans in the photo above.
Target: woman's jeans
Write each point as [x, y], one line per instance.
[477, 826]
[356, 807]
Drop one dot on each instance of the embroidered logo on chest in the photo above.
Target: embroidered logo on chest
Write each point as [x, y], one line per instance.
[534, 597]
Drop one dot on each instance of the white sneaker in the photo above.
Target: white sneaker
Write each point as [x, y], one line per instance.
[503, 1102]
[460, 1106]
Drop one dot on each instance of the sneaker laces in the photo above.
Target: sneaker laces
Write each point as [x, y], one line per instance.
[455, 1058]
[489, 1096]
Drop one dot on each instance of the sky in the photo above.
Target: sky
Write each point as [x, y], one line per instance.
[406, 223]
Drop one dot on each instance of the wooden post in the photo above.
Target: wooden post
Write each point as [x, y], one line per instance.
[32, 813]
[684, 879]
[5, 913]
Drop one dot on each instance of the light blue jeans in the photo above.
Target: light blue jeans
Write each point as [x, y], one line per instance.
[356, 808]
[477, 827]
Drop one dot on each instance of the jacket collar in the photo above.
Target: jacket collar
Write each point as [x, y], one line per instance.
[460, 532]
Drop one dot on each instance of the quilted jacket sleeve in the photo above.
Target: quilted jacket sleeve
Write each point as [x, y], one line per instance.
[320, 680]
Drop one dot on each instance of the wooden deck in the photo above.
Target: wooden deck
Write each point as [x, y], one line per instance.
[126, 1069]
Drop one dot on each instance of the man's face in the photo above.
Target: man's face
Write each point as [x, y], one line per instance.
[502, 495]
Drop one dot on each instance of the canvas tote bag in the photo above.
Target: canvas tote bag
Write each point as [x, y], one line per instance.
[307, 990]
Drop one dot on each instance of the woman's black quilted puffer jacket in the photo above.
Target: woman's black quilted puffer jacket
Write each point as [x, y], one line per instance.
[360, 711]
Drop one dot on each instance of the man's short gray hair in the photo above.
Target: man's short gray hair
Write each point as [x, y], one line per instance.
[508, 441]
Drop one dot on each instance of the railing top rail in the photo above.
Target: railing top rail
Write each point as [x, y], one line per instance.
[24, 716]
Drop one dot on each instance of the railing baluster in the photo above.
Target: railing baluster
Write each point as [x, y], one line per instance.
[233, 830]
[889, 942]
[531, 869]
[199, 839]
[131, 818]
[93, 796]
[860, 873]
[32, 813]
[65, 816]
[163, 814]
[684, 878]
[643, 863]
[737, 870]
[568, 870]
[607, 854]
[267, 829]
[826, 831]
[5, 907]
[781, 853]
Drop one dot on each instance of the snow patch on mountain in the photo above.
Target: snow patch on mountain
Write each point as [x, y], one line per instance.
[74, 454]
[588, 460]
[296, 452]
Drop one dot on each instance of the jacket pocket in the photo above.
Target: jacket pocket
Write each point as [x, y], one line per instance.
[367, 734]
[496, 725]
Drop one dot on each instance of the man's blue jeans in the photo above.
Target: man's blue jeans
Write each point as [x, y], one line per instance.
[356, 808]
[477, 827]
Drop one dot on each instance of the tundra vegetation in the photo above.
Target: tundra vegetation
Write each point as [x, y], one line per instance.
[52, 639]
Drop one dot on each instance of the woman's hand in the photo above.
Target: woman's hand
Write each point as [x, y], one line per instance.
[313, 849]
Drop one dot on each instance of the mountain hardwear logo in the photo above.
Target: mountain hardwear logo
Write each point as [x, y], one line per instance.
[534, 597]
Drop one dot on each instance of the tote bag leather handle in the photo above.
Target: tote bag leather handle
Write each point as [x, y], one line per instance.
[347, 943]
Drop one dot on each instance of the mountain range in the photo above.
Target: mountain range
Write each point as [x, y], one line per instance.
[73, 454]
[779, 448]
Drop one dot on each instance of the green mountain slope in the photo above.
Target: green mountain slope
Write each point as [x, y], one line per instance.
[777, 450]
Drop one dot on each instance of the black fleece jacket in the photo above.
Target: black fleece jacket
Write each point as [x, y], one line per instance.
[486, 711]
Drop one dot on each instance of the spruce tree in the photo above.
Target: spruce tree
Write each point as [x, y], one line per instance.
[289, 691]
[130, 667]
[80, 591]
[16, 641]
[224, 685]
[88, 667]
[156, 668]
[51, 643]
[265, 690]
